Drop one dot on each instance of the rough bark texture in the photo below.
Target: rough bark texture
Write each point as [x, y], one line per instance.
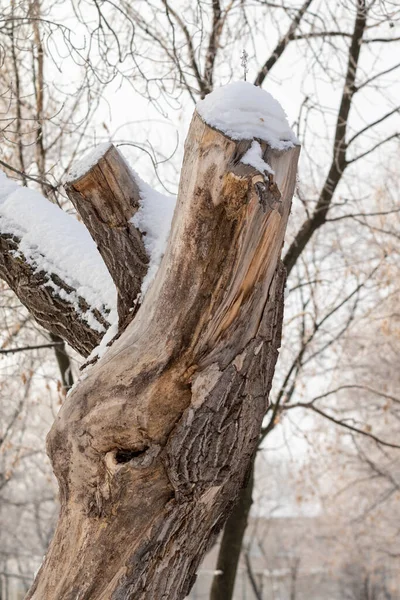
[153, 446]
[107, 197]
[52, 312]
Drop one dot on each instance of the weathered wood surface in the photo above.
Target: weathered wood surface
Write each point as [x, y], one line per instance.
[153, 446]
[38, 291]
[107, 197]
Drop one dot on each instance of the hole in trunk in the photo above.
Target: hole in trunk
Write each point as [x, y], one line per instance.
[123, 456]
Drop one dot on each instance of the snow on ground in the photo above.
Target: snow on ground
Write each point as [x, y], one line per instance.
[55, 242]
[154, 219]
[243, 111]
[254, 158]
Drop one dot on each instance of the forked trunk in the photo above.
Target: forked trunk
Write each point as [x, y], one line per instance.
[154, 444]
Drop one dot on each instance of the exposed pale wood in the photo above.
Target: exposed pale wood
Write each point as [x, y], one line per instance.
[44, 303]
[107, 197]
[153, 446]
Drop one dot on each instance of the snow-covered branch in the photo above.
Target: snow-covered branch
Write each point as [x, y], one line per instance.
[76, 280]
[50, 261]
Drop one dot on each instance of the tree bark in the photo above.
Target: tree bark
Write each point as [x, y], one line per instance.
[52, 312]
[151, 449]
[107, 197]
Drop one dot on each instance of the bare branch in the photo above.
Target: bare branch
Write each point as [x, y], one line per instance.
[375, 147]
[26, 348]
[364, 214]
[374, 77]
[30, 177]
[282, 44]
[339, 162]
[192, 55]
[370, 125]
[342, 423]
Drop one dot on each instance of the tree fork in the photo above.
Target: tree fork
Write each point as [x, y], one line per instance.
[151, 449]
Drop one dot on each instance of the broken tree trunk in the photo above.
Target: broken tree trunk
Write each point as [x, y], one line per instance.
[153, 445]
[107, 197]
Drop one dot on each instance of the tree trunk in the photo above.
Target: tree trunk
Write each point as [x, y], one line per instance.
[107, 197]
[231, 544]
[152, 447]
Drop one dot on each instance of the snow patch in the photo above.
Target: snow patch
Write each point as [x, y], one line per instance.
[254, 158]
[102, 348]
[153, 219]
[81, 167]
[243, 111]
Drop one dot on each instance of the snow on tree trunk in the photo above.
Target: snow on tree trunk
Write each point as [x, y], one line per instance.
[152, 447]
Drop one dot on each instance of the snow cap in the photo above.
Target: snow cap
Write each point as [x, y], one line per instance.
[243, 111]
[83, 166]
